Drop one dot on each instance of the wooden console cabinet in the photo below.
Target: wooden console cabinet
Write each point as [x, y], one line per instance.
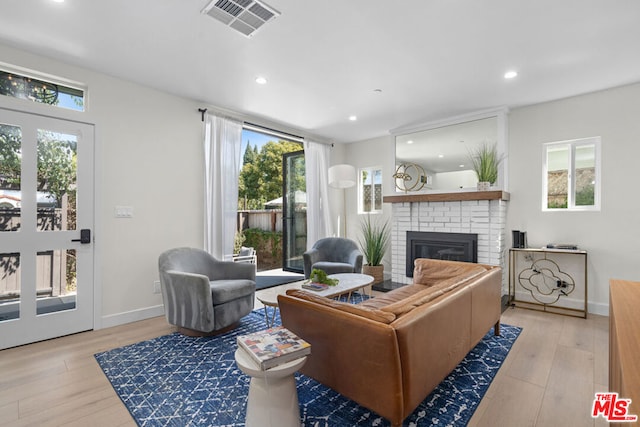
[624, 341]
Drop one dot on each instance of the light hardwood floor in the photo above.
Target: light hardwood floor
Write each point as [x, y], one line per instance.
[551, 374]
[548, 379]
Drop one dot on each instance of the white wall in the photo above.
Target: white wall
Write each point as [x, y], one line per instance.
[372, 152]
[152, 159]
[149, 156]
[611, 236]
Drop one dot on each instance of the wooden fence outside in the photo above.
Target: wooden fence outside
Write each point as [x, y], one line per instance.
[270, 220]
[51, 265]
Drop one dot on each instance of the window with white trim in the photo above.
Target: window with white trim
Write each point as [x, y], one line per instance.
[370, 190]
[41, 90]
[571, 175]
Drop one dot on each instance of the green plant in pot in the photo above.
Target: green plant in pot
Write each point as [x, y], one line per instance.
[320, 276]
[373, 241]
[485, 161]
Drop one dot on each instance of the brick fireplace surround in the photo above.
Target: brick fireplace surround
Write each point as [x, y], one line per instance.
[481, 212]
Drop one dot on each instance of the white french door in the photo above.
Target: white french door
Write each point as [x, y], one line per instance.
[46, 219]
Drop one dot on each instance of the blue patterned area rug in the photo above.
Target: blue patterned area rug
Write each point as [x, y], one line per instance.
[174, 380]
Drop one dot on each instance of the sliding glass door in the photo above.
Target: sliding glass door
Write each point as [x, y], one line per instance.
[294, 213]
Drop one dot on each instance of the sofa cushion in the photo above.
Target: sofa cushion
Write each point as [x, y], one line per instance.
[430, 272]
[425, 296]
[358, 310]
[393, 296]
[429, 293]
[244, 251]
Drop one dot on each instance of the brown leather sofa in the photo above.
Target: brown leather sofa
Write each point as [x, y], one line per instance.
[390, 352]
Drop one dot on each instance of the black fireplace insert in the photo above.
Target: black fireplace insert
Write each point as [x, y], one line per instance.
[437, 245]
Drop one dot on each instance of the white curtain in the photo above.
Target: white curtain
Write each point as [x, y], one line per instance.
[319, 223]
[222, 147]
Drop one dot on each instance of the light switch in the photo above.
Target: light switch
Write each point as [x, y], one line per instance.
[123, 211]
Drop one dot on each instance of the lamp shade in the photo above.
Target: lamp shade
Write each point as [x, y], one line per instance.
[342, 176]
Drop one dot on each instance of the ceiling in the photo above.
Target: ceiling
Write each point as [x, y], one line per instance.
[391, 64]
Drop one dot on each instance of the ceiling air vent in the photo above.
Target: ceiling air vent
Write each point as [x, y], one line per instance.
[245, 16]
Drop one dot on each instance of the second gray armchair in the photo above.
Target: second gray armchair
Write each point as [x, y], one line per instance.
[203, 295]
[333, 255]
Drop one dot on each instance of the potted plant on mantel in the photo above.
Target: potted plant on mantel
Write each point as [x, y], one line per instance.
[485, 161]
[373, 242]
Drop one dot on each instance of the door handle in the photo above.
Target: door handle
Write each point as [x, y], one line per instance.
[85, 236]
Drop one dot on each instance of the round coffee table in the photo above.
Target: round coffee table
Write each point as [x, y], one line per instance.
[347, 283]
[273, 398]
[269, 298]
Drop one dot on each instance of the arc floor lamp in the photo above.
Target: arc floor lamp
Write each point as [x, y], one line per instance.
[342, 176]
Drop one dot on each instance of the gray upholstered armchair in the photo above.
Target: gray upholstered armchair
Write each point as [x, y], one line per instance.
[333, 255]
[203, 295]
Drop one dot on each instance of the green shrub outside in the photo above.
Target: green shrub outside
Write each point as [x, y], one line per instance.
[263, 241]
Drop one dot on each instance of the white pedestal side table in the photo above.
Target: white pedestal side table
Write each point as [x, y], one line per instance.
[273, 398]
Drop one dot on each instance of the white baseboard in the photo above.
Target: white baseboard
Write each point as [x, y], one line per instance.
[598, 308]
[131, 316]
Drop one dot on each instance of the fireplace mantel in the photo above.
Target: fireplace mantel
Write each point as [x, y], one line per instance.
[447, 197]
[482, 213]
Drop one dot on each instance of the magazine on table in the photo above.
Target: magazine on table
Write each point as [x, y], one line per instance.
[315, 286]
[273, 347]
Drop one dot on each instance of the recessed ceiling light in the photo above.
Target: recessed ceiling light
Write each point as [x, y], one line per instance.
[510, 74]
[353, 118]
[410, 142]
[440, 156]
[461, 166]
[58, 1]
[261, 80]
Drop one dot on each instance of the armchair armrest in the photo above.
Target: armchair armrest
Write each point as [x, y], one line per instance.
[309, 258]
[356, 259]
[187, 300]
[246, 259]
[233, 270]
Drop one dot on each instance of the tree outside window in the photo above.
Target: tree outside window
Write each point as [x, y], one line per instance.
[261, 174]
